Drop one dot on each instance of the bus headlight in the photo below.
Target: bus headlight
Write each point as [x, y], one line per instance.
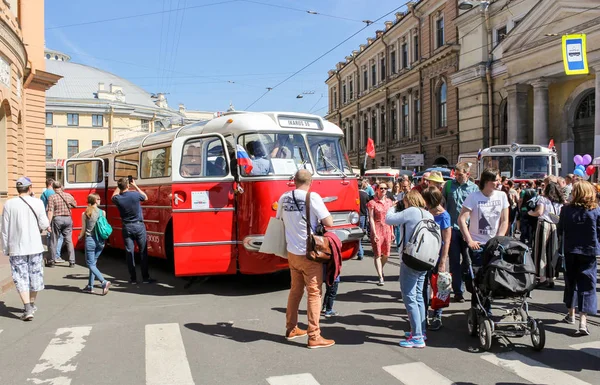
[353, 217]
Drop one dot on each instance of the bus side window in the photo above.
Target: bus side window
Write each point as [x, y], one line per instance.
[203, 158]
[215, 159]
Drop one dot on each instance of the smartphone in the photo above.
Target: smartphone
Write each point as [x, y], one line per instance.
[130, 178]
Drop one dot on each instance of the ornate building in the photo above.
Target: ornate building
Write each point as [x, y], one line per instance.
[23, 82]
[515, 56]
[396, 90]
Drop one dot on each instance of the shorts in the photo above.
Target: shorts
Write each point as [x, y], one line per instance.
[27, 272]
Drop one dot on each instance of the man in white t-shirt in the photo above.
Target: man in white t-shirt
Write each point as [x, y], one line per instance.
[305, 273]
[487, 210]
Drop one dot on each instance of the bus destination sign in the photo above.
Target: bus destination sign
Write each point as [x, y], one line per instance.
[310, 124]
[530, 149]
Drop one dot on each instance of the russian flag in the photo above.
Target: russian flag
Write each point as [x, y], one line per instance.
[479, 154]
[243, 159]
[414, 172]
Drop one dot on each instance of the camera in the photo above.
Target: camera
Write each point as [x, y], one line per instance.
[130, 178]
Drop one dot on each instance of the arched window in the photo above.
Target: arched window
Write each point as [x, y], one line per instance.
[442, 111]
[587, 107]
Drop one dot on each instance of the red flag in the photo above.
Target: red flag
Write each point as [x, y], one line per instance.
[371, 148]
[452, 173]
[551, 144]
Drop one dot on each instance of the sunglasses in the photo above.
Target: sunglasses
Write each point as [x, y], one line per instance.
[383, 188]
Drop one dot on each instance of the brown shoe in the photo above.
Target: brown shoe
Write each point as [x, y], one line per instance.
[296, 332]
[319, 342]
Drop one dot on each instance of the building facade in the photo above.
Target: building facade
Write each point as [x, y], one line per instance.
[90, 107]
[23, 82]
[396, 89]
[511, 69]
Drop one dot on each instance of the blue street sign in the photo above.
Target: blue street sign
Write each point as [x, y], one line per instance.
[574, 54]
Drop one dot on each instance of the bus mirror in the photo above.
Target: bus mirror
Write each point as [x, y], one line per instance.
[559, 165]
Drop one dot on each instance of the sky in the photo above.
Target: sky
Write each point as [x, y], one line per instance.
[207, 54]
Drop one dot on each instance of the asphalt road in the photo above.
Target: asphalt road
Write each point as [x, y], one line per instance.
[229, 330]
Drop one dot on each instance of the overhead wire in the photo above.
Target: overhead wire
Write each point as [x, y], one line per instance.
[269, 89]
[310, 12]
[162, 24]
[174, 61]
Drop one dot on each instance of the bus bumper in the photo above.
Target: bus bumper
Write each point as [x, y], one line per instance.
[346, 235]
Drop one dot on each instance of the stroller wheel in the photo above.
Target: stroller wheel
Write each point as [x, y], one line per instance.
[538, 335]
[472, 322]
[485, 334]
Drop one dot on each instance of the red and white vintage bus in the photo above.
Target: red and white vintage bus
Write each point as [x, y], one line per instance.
[204, 212]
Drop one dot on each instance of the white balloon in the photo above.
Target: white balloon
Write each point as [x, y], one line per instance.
[586, 177]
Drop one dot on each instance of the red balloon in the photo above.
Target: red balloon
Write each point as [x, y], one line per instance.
[590, 170]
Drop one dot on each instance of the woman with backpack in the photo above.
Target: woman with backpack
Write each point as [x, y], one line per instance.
[412, 272]
[93, 242]
[580, 223]
[545, 243]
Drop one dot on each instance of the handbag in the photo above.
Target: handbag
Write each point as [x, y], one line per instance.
[318, 247]
[274, 241]
[559, 258]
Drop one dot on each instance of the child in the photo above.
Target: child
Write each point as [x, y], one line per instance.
[330, 294]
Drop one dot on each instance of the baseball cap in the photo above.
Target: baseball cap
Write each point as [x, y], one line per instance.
[23, 182]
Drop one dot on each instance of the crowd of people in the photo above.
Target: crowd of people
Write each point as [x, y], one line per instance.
[25, 218]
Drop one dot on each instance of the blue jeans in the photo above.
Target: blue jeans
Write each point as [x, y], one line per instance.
[457, 248]
[363, 223]
[93, 249]
[411, 286]
[59, 244]
[136, 232]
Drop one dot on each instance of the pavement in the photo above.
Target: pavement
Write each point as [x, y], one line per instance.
[229, 330]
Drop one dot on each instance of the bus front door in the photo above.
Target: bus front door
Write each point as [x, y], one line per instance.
[81, 178]
[204, 235]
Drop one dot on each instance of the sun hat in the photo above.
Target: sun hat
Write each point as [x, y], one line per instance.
[435, 177]
[23, 182]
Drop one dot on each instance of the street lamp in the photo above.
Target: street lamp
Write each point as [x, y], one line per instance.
[466, 5]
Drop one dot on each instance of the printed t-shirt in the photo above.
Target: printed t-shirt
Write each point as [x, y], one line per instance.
[485, 214]
[294, 218]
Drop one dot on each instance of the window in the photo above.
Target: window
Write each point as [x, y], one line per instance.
[405, 127]
[73, 119]
[72, 147]
[404, 55]
[145, 124]
[49, 149]
[97, 143]
[334, 99]
[373, 75]
[417, 116]
[516, 23]
[441, 104]
[394, 127]
[85, 171]
[156, 163]
[351, 90]
[440, 32]
[126, 165]
[97, 121]
[382, 61]
[365, 129]
[344, 96]
[271, 153]
[351, 136]
[416, 48]
[365, 80]
[329, 153]
[382, 121]
[500, 34]
[49, 118]
[393, 62]
[374, 127]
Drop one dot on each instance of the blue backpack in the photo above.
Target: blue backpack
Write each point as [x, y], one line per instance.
[103, 228]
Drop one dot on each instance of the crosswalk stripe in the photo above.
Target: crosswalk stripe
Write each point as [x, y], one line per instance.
[416, 373]
[531, 370]
[58, 357]
[591, 348]
[166, 360]
[293, 379]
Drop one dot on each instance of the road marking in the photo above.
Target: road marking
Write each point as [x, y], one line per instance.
[58, 358]
[166, 360]
[531, 370]
[591, 348]
[293, 379]
[416, 373]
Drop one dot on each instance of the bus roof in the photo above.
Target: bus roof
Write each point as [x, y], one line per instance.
[235, 122]
[518, 149]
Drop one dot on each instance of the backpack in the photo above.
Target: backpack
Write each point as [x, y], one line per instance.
[423, 247]
[529, 199]
[103, 228]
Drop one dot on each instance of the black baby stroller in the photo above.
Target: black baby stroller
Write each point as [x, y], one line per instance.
[502, 274]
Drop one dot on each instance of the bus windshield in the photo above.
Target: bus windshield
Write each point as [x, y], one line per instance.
[329, 153]
[275, 154]
[502, 163]
[532, 167]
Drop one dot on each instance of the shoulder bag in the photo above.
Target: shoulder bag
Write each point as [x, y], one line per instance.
[274, 241]
[64, 200]
[318, 247]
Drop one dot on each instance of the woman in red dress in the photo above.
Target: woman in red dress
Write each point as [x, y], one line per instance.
[381, 234]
